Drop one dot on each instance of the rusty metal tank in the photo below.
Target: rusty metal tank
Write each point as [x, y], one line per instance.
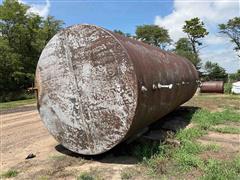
[212, 87]
[97, 88]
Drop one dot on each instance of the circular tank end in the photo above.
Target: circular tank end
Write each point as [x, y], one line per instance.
[87, 89]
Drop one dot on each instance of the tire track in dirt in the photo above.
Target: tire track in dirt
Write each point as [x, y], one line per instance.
[19, 117]
[23, 133]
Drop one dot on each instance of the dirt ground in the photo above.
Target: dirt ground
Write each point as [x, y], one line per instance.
[23, 133]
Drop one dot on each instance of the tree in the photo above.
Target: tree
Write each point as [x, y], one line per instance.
[235, 76]
[119, 32]
[195, 31]
[232, 30]
[153, 35]
[22, 38]
[50, 27]
[184, 48]
[122, 33]
[214, 71]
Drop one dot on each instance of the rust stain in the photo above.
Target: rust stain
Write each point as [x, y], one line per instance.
[97, 88]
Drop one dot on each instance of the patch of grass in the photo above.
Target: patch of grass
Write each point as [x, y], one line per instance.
[227, 88]
[93, 174]
[86, 176]
[162, 159]
[186, 156]
[230, 130]
[9, 174]
[190, 134]
[153, 156]
[157, 165]
[222, 170]
[146, 150]
[205, 119]
[217, 96]
[186, 161]
[212, 147]
[14, 104]
[128, 173]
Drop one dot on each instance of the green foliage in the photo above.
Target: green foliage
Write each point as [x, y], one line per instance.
[214, 71]
[9, 174]
[119, 32]
[206, 119]
[234, 76]
[184, 48]
[85, 176]
[227, 88]
[183, 44]
[166, 158]
[128, 173]
[222, 170]
[144, 151]
[187, 161]
[212, 147]
[186, 155]
[232, 30]
[153, 35]
[122, 33]
[190, 134]
[14, 104]
[195, 30]
[23, 36]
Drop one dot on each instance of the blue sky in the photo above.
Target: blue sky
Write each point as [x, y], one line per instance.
[171, 14]
[111, 15]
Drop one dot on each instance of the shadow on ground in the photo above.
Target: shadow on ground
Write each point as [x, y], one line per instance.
[128, 152]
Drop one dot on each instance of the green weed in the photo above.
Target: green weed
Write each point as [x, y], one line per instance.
[205, 119]
[222, 170]
[231, 130]
[9, 174]
[212, 147]
[144, 151]
[14, 104]
[190, 134]
[85, 176]
[128, 173]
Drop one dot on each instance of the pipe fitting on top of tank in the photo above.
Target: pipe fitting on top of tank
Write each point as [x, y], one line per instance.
[143, 89]
[165, 86]
[199, 83]
[154, 87]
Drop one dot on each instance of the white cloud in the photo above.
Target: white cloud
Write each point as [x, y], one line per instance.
[40, 9]
[215, 39]
[212, 12]
[225, 58]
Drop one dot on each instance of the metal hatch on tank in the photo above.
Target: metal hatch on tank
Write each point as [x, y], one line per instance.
[97, 88]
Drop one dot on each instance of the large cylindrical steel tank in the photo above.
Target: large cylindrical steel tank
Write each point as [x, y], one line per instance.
[97, 88]
[212, 87]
